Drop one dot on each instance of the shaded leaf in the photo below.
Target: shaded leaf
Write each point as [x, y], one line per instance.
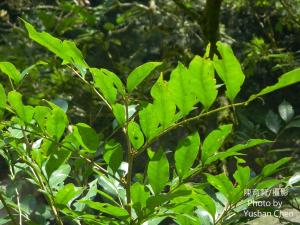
[67, 194]
[59, 175]
[273, 122]
[286, 111]
[273, 167]
[113, 154]
[86, 136]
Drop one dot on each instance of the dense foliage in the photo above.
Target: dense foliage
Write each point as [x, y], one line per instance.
[120, 132]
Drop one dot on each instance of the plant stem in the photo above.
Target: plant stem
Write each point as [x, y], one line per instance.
[7, 209]
[130, 160]
[183, 122]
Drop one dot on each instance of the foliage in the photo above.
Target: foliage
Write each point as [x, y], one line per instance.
[89, 177]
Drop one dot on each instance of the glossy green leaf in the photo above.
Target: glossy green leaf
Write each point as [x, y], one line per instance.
[24, 112]
[273, 122]
[214, 141]
[67, 194]
[222, 183]
[119, 113]
[56, 123]
[11, 71]
[105, 84]
[273, 167]
[286, 79]
[229, 70]
[2, 97]
[235, 149]
[158, 171]
[107, 208]
[135, 135]
[66, 50]
[180, 85]
[86, 136]
[149, 121]
[204, 83]
[186, 153]
[139, 74]
[163, 105]
[242, 175]
[113, 154]
[59, 175]
[286, 111]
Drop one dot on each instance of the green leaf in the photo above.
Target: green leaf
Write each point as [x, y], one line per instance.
[266, 184]
[205, 201]
[40, 115]
[56, 123]
[233, 150]
[26, 71]
[286, 79]
[139, 74]
[118, 83]
[113, 154]
[286, 111]
[11, 71]
[242, 175]
[294, 179]
[86, 136]
[139, 197]
[59, 175]
[119, 113]
[158, 171]
[214, 141]
[273, 122]
[273, 167]
[204, 83]
[222, 183]
[2, 97]
[163, 105]
[135, 135]
[149, 121]
[66, 195]
[107, 208]
[229, 70]
[186, 153]
[24, 112]
[105, 84]
[66, 50]
[180, 85]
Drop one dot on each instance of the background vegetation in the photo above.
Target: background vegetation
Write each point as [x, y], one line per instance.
[121, 35]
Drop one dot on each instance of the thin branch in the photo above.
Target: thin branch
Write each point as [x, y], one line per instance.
[188, 120]
[14, 222]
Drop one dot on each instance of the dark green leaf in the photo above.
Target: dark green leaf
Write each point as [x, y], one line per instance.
[86, 136]
[273, 122]
[286, 111]
[113, 154]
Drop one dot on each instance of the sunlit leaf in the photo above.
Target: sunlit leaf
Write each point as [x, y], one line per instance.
[86, 136]
[139, 74]
[11, 71]
[286, 111]
[113, 154]
[135, 135]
